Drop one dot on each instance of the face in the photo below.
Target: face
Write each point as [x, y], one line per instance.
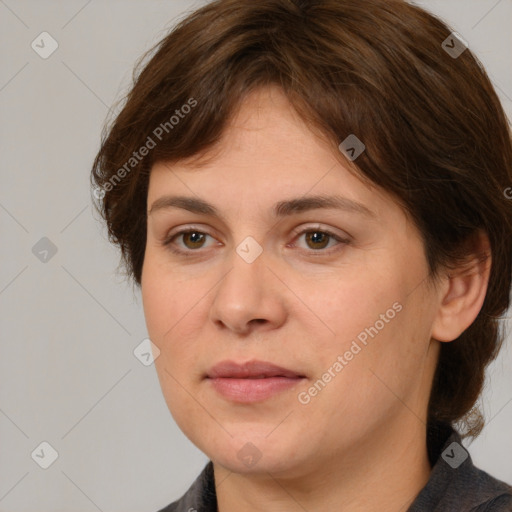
[334, 293]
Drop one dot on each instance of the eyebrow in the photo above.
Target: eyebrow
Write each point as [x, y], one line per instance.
[281, 209]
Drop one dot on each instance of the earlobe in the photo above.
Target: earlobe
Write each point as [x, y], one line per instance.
[463, 294]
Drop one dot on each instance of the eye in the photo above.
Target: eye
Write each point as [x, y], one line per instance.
[192, 239]
[318, 239]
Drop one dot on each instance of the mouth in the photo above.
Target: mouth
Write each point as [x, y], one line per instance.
[252, 381]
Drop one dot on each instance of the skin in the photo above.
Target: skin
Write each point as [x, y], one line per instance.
[359, 444]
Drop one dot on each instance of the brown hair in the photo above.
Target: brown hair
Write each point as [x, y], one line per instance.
[435, 133]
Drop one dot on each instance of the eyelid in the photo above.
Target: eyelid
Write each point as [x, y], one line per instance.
[184, 229]
[318, 227]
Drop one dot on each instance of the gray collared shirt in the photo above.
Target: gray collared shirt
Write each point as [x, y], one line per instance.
[455, 484]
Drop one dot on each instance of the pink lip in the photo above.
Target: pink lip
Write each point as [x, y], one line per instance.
[250, 369]
[252, 381]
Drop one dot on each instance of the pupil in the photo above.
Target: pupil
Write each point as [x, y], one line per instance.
[195, 237]
[316, 238]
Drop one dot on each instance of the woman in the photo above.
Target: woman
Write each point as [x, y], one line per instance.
[312, 197]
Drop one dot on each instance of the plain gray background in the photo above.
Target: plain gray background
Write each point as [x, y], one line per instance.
[69, 325]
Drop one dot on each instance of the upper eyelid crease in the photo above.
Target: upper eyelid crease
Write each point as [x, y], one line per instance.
[281, 209]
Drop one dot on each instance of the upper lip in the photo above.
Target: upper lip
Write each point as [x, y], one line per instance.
[250, 369]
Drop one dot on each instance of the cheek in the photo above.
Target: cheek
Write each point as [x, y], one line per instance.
[157, 303]
[171, 308]
[168, 310]
[371, 321]
[346, 307]
[167, 301]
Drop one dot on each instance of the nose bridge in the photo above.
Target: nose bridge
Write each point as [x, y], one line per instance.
[245, 293]
[244, 282]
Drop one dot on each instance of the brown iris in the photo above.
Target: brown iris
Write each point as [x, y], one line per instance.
[195, 237]
[317, 237]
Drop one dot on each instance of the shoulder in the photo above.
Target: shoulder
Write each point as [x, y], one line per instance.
[489, 493]
[501, 503]
[456, 484]
[467, 489]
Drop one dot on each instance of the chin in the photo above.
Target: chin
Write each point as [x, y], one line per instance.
[260, 456]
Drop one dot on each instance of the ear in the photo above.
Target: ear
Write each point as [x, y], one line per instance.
[463, 292]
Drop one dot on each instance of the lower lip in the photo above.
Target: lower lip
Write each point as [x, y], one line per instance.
[252, 390]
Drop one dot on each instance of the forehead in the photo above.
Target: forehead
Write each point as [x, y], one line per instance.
[265, 126]
[267, 153]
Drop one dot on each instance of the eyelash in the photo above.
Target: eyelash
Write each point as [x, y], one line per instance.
[318, 252]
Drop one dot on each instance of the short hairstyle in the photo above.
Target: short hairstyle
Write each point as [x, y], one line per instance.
[436, 136]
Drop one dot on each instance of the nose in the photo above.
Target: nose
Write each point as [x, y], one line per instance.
[249, 297]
